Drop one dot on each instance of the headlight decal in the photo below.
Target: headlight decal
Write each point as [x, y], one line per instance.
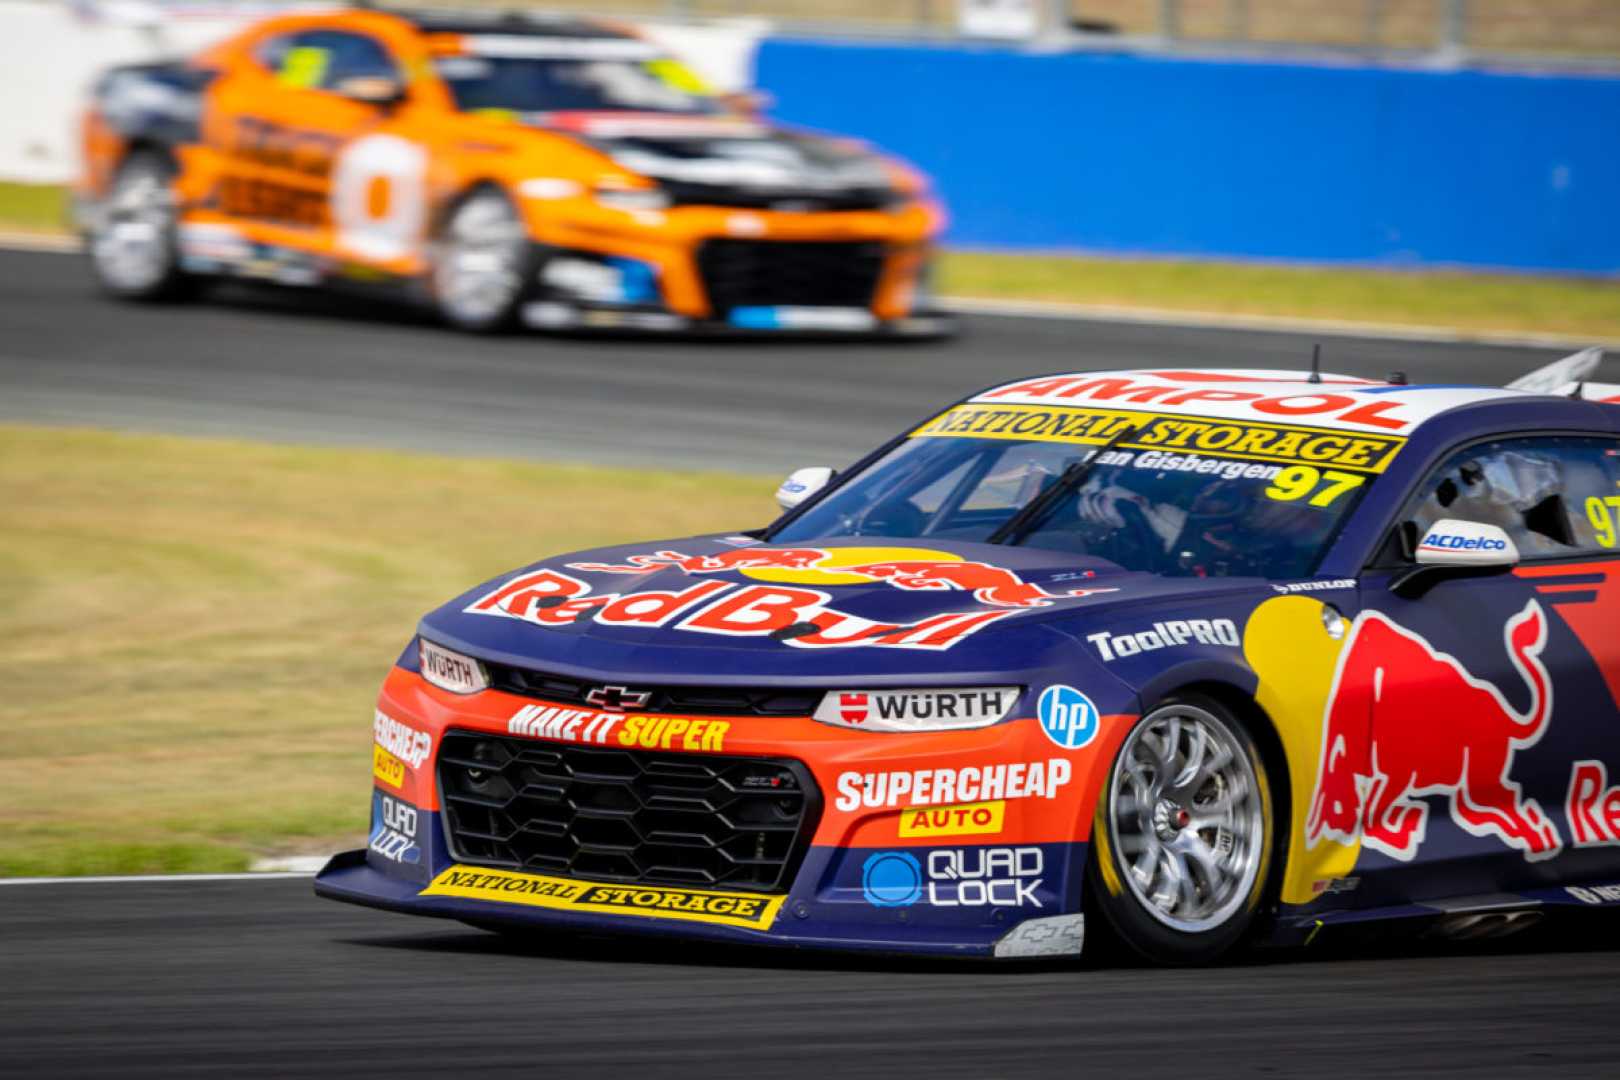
[450, 670]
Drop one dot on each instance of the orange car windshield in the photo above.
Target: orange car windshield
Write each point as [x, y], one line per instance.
[557, 84]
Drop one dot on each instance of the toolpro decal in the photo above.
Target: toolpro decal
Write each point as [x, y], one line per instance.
[903, 568]
[1164, 635]
[751, 911]
[954, 877]
[970, 783]
[1067, 716]
[1436, 730]
[800, 618]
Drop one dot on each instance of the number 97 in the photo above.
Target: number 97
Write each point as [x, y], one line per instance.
[1297, 481]
[1602, 512]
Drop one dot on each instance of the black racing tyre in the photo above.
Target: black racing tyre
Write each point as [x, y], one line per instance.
[1185, 837]
[482, 263]
[132, 242]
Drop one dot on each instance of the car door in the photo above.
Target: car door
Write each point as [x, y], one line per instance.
[1486, 691]
[305, 163]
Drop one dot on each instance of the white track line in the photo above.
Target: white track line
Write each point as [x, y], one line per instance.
[28, 241]
[146, 879]
[1138, 316]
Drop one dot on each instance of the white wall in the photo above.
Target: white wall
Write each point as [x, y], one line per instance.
[51, 51]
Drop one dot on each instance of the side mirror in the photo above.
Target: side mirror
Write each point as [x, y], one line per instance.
[803, 483]
[371, 90]
[1453, 549]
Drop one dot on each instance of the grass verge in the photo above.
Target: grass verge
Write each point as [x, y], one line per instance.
[1455, 299]
[33, 207]
[1451, 299]
[197, 628]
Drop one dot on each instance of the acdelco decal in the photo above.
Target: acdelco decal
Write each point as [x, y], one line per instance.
[966, 819]
[561, 894]
[1364, 452]
[971, 783]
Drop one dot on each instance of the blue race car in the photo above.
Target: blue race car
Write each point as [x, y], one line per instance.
[1187, 658]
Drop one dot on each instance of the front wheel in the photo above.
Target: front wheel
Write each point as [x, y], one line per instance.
[132, 243]
[481, 263]
[1183, 839]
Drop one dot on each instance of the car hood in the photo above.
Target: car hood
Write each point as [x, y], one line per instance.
[695, 152]
[729, 609]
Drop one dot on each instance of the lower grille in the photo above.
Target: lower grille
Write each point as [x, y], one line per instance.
[772, 273]
[626, 816]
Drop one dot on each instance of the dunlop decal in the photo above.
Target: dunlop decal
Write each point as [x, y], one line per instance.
[750, 911]
[1289, 443]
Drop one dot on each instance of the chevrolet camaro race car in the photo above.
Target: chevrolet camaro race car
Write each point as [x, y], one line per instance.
[1191, 659]
[554, 172]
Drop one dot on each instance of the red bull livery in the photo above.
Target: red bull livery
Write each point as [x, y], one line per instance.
[1187, 659]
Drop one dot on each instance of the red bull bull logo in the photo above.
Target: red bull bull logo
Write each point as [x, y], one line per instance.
[1434, 729]
[912, 570]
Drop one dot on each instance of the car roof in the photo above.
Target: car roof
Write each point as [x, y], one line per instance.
[544, 24]
[1341, 402]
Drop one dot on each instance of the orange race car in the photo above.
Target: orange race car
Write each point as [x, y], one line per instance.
[549, 171]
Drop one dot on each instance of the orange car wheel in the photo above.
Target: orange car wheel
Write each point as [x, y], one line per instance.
[131, 237]
[482, 263]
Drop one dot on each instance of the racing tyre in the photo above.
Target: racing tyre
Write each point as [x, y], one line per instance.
[133, 248]
[482, 264]
[1184, 837]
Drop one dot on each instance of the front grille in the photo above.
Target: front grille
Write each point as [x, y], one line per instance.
[683, 193]
[771, 273]
[626, 816]
[685, 700]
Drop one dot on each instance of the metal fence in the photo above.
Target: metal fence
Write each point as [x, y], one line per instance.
[1567, 29]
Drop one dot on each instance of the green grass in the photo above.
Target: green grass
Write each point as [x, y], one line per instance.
[195, 630]
[1450, 299]
[33, 207]
[1512, 303]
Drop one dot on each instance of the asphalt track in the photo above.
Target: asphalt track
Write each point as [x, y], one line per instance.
[261, 979]
[289, 366]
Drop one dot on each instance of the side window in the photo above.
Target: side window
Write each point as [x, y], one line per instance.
[1556, 496]
[325, 59]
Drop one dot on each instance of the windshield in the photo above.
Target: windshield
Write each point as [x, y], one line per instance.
[530, 84]
[1171, 496]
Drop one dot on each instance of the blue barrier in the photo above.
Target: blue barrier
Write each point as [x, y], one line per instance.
[1123, 153]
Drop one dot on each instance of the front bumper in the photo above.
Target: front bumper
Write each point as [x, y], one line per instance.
[888, 867]
[573, 315]
[710, 270]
